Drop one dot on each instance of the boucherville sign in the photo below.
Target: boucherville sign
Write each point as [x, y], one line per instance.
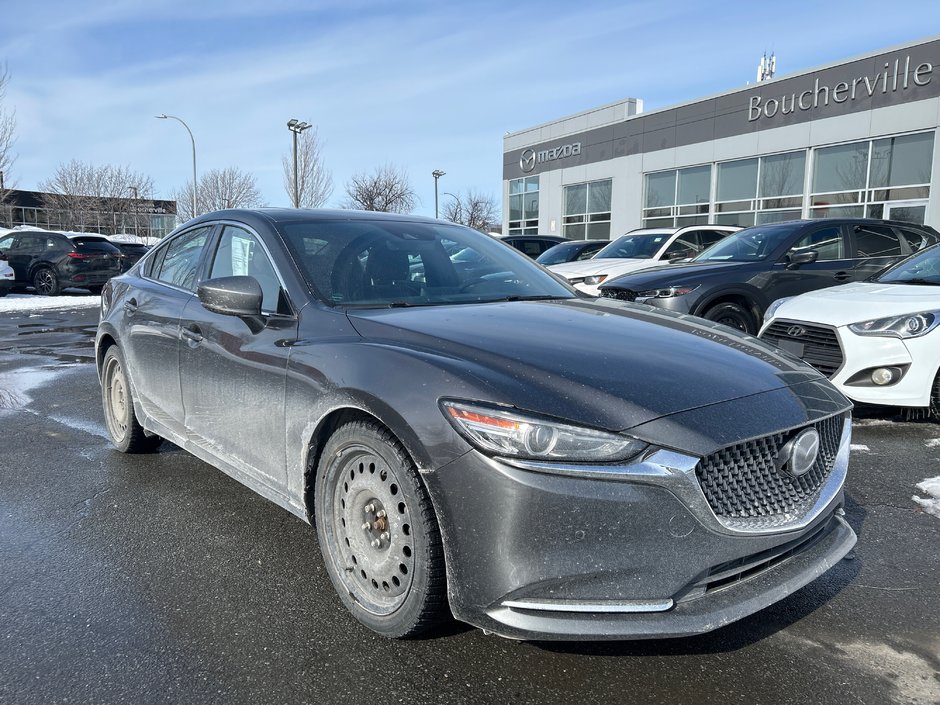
[891, 79]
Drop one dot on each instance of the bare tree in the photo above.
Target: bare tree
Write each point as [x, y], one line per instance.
[314, 181]
[99, 198]
[386, 189]
[473, 209]
[219, 189]
[7, 128]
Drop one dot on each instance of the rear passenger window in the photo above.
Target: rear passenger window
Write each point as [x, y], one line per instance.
[877, 241]
[710, 237]
[180, 259]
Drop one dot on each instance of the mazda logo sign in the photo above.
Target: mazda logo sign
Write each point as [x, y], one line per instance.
[798, 456]
[527, 160]
[796, 331]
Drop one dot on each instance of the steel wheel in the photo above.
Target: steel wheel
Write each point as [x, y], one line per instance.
[45, 282]
[733, 316]
[377, 532]
[126, 433]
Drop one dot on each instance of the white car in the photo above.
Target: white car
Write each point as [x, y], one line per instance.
[640, 249]
[878, 341]
[6, 276]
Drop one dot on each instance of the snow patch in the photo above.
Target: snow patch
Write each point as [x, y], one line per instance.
[932, 443]
[873, 422]
[930, 503]
[859, 448]
[16, 386]
[81, 425]
[13, 303]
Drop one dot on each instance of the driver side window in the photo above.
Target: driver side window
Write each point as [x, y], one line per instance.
[828, 242]
[240, 254]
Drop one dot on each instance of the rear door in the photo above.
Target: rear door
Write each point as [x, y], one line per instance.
[876, 247]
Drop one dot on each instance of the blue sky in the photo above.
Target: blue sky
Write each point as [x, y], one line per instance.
[422, 85]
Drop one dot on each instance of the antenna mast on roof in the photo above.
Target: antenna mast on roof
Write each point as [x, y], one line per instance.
[767, 67]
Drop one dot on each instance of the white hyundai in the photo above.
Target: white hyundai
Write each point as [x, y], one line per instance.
[878, 340]
[640, 249]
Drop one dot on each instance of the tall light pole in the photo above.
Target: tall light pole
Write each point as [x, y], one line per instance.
[296, 127]
[437, 173]
[191, 139]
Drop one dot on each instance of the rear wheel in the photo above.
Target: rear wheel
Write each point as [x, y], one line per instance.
[732, 315]
[46, 282]
[126, 433]
[378, 533]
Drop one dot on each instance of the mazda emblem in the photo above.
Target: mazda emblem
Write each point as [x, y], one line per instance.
[796, 331]
[527, 160]
[798, 456]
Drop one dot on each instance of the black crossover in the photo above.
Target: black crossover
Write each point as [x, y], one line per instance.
[734, 281]
[51, 262]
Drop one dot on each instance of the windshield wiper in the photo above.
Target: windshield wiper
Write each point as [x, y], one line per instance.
[916, 280]
[517, 297]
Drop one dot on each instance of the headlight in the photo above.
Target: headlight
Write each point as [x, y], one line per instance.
[772, 309]
[911, 325]
[507, 433]
[666, 292]
[595, 279]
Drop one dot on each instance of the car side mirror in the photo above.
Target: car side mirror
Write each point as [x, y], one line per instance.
[801, 258]
[234, 296]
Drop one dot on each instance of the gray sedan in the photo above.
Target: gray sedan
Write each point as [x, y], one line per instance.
[459, 438]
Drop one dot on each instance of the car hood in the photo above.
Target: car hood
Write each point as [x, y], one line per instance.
[607, 364]
[611, 266]
[860, 301]
[677, 275]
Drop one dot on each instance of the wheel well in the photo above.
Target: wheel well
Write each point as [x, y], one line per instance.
[103, 346]
[321, 435]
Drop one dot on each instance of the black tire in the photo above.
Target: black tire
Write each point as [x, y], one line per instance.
[397, 588]
[933, 411]
[45, 282]
[117, 401]
[732, 315]
[95, 290]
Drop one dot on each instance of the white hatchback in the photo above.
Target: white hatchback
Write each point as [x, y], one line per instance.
[878, 341]
[640, 249]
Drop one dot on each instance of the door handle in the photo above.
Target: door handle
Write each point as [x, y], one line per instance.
[191, 334]
[841, 276]
[130, 306]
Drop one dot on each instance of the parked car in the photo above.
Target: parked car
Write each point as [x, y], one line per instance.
[532, 245]
[572, 251]
[734, 281]
[6, 275]
[878, 341]
[457, 442]
[641, 249]
[50, 261]
[131, 252]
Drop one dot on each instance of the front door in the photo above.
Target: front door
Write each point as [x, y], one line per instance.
[833, 265]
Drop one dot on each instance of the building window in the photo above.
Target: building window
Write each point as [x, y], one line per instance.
[882, 178]
[760, 190]
[587, 210]
[678, 197]
[524, 206]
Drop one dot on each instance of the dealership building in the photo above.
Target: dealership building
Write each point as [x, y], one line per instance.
[855, 138]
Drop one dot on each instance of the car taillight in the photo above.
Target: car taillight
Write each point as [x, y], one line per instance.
[81, 255]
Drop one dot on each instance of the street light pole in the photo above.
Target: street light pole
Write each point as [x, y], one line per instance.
[296, 127]
[437, 173]
[191, 139]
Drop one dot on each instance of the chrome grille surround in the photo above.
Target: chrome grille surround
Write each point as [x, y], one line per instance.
[747, 492]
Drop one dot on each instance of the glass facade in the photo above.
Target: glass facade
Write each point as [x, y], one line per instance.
[524, 206]
[678, 197]
[587, 210]
[760, 189]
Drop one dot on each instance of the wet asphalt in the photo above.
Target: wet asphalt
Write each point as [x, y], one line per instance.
[157, 579]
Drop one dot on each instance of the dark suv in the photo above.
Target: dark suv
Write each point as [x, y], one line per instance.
[50, 262]
[734, 281]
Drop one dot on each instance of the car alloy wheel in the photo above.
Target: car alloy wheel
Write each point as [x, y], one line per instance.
[45, 282]
[378, 533]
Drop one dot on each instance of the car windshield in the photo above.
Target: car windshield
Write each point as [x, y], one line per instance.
[401, 263]
[920, 268]
[748, 245]
[560, 253]
[636, 246]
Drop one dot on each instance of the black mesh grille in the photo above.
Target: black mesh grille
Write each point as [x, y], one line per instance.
[742, 482]
[622, 294]
[820, 345]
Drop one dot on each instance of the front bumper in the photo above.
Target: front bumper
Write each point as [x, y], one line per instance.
[624, 553]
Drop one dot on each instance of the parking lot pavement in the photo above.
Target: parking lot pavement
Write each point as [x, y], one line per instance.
[152, 579]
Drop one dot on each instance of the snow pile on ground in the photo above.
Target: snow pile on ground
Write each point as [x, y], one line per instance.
[930, 503]
[858, 447]
[14, 303]
[932, 443]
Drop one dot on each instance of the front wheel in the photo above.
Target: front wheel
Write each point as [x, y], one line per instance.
[378, 533]
[732, 315]
[46, 282]
[126, 432]
[933, 411]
